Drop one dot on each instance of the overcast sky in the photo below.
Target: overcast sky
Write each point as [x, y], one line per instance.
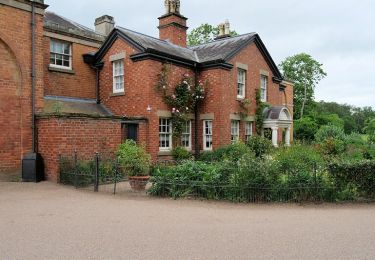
[338, 33]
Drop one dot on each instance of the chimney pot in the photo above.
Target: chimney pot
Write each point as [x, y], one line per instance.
[104, 24]
[227, 27]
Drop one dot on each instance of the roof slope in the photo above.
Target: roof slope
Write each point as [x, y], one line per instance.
[221, 49]
[74, 106]
[148, 42]
[214, 54]
[59, 23]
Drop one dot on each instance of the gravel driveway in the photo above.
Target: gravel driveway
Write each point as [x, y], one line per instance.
[48, 221]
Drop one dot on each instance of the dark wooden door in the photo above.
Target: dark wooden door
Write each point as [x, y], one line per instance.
[132, 132]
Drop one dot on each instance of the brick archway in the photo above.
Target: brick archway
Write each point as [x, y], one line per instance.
[10, 109]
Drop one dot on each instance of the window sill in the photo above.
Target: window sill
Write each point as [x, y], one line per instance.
[240, 99]
[61, 70]
[117, 94]
[165, 153]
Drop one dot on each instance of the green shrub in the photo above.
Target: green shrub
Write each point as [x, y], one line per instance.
[260, 146]
[298, 158]
[354, 175]
[187, 179]
[134, 159]
[330, 132]
[181, 154]
[331, 140]
[305, 129]
[80, 174]
[302, 173]
[232, 153]
[252, 180]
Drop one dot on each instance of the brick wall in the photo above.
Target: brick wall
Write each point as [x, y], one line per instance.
[140, 80]
[15, 84]
[222, 93]
[79, 83]
[64, 136]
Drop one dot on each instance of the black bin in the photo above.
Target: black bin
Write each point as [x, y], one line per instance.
[32, 168]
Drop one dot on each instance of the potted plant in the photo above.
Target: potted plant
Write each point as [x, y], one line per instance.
[135, 161]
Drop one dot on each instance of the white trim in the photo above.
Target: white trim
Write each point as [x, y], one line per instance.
[249, 130]
[242, 83]
[121, 74]
[205, 148]
[169, 148]
[190, 139]
[265, 97]
[234, 136]
[70, 55]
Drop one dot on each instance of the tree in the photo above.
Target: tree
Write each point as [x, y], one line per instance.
[370, 130]
[306, 73]
[205, 33]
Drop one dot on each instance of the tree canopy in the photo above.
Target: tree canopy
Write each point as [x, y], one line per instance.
[306, 73]
[204, 33]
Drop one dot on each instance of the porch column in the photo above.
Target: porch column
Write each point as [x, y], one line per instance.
[287, 136]
[275, 136]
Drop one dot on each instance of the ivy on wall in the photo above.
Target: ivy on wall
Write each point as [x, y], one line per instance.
[259, 116]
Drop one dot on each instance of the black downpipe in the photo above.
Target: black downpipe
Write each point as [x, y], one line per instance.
[98, 67]
[196, 122]
[97, 85]
[33, 76]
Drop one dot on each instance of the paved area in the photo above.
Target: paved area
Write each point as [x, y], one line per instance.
[47, 221]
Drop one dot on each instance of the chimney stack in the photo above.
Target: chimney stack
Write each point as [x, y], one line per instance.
[172, 25]
[224, 30]
[104, 24]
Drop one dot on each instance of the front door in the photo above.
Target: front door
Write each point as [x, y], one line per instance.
[131, 132]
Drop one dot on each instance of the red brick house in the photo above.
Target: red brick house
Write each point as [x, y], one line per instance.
[94, 89]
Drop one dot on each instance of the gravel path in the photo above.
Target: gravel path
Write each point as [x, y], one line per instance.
[47, 221]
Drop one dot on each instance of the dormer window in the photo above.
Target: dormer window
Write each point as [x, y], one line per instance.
[60, 54]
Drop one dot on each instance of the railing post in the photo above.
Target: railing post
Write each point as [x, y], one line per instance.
[96, 184]
[60, 166]
[315, 180]
[75, 170]
[116, 169]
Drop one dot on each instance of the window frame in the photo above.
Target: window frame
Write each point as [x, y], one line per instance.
[184, 134]
[249, 131]
[243, 83]
[205, 135]
[166, 134]
[234, 135]
[115, 76]
[263, 87]
[51, 52]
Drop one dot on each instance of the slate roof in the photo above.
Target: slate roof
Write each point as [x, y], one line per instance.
[148, 42]
[214, 54]
[219, 49]
[59, 23]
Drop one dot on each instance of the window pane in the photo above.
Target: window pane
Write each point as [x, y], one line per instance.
[66, 49]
